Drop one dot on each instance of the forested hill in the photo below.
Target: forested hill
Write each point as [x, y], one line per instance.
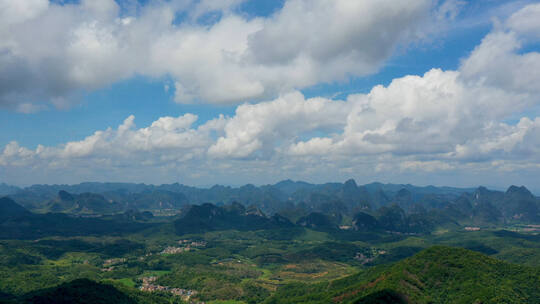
[436, 275]
[85, 291]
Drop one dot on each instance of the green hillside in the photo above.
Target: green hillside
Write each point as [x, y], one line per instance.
[435, 275]
[85, 291]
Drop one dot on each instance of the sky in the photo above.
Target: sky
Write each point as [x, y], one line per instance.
[231, 92]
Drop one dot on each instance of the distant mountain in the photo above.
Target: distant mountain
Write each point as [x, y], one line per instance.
[149, 200]
[417, 190]
[295, 199]
[519, 204]
[317, 221]
[288, 187]
[394, 219]
[59, 224]
[267, 196]
[435, 275]
[486, 206]
[84, 203]
[18, 223]
[209, 217]
[403, 199]
[10, 209]
[365, 222]
[6, 189]
[134, 216]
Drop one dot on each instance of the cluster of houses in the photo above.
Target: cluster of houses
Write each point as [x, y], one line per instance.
[185, 245]
[363, 259]
[111, 262]
[190, 243]
[174, 250]
[108, 265]
[148, 285]
[532, 228]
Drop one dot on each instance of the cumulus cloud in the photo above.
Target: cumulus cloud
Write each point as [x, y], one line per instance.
[51, 52]
[260, 127]
[331, 34]
[478, 118]
[449, 114]
[525, 21]
[173, 136]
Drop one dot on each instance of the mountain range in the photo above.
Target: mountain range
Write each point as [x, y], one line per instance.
[330, 206]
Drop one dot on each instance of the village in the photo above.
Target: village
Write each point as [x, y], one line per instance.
[363, 259]
[148, 285]
[110, 264]
[185, 245]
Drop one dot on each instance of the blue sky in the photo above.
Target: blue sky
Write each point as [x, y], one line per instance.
[91, 88]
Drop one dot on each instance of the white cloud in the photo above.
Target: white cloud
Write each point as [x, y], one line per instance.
[14, 155]
[526, 21]
[336, 32]
[14, 12]
[260, 127]
[54, 52]
[429, 166]
[28, 108]
[511, 142]
[173, 135]
[512, 71]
